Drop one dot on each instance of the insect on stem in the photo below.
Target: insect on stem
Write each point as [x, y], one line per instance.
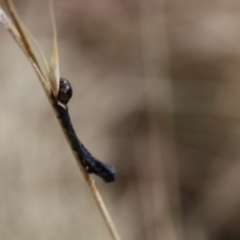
[92, 165]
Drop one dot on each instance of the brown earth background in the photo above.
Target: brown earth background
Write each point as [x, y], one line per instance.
[156, 94]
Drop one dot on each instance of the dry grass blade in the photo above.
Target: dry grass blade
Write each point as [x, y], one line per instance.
[33, 39]
[10, 27]
[18, 34]
[16, 29]
[20, 30]
[54, 73]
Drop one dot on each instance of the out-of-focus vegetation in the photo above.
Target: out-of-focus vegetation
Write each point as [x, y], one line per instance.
[156, 94]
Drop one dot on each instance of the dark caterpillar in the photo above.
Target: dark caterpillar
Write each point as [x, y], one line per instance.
[92, 165]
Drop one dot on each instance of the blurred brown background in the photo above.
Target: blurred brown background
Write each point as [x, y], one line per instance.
[156, 94]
